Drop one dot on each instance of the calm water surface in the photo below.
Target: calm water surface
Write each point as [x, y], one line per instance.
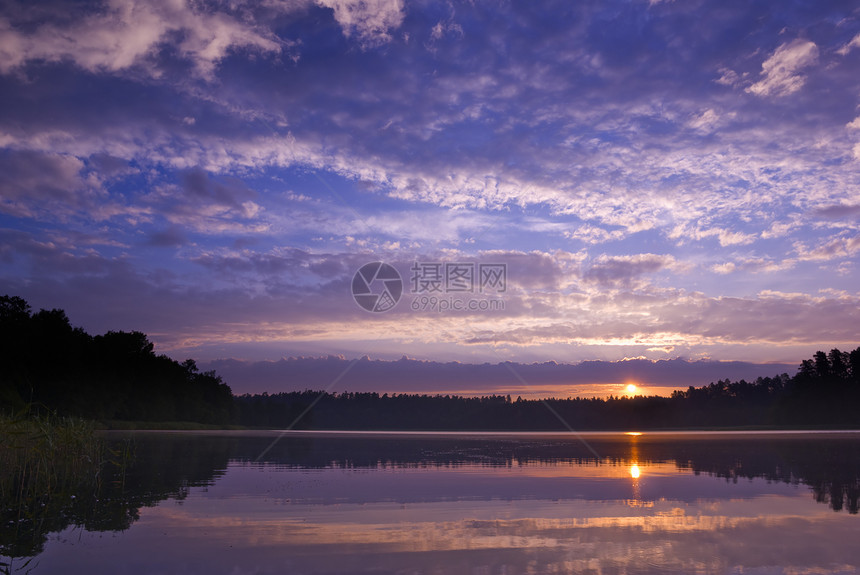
[267, 502]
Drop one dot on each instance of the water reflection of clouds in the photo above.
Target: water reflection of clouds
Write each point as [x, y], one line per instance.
[330, 506]
[548, 536]
[554, 481]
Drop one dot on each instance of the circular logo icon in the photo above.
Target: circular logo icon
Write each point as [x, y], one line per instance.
[377, 287]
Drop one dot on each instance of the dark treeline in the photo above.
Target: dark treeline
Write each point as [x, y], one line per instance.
[47, 364]
[824, 393]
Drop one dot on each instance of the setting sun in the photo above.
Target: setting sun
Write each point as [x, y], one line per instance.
[631, 388]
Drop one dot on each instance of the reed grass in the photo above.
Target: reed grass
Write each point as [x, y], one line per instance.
[43, 455]
[48, 467]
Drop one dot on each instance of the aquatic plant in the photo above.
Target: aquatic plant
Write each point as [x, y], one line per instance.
[51, 468]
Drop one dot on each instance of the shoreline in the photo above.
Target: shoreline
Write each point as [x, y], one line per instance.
[632, 432]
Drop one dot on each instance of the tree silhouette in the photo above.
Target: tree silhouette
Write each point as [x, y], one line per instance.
[48, 364]
[118, 376]
[824, 392]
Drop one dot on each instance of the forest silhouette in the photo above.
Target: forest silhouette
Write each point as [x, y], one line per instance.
[47, 364]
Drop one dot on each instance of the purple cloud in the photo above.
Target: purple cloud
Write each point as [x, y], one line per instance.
[338, 374]
[659, 178]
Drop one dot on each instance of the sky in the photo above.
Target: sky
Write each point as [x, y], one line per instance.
[590, 181]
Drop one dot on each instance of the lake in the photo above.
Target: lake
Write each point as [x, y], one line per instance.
[426, 503]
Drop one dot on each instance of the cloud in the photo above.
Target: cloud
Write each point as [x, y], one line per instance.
[624, 270]
[240, 300]
[724, 268]
[453, 141]
[224, 191]
[839, 212]
[847, 48]
[285, 267]
[170, 237]
[780, 229]
[416, 376]
[782, 70]
[753, 264]
[371, 20]
[556, 270]
[728, 77]
[706, 121]
[54, 255]
[726, 237]
[841, 247]
[209, 205]
[293, 299]
[34, 185]
[594, 234]
[637, 321]
[557, 143]
[130, 33]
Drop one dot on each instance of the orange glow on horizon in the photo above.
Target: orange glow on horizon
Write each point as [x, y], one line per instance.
[532, 393]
